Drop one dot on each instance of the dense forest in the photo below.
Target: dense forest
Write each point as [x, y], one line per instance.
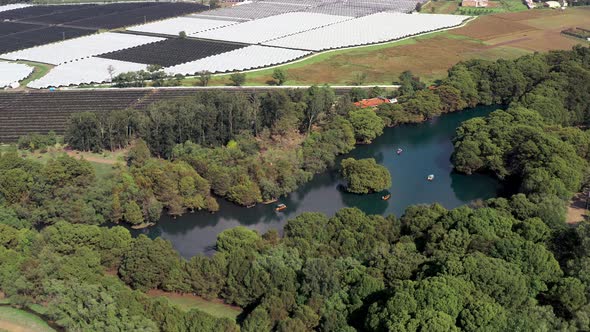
[507, 263]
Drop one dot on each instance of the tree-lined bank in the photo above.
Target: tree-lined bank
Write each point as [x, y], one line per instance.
[501, 264]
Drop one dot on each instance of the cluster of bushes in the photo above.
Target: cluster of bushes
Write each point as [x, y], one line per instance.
[365, 176]
[154, 73]
[536, 143]
[34, 142]
[248, 148]
[62, 267]
[496, 267]
[67, 189]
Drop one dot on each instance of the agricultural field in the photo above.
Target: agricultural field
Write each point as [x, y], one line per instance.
[43, 111]
[26, 27]
[39, 36]
[86, 71]
[171, 52]
[79, 48]
[8, 28]
[13, 73]
[266, 29]
[29, 13]
[271, 33]
[266, 33]
[380, 27]
[159, 11]
[246, 58]
[506, 35]
[256, 10]
[4, 8]
[190, 25]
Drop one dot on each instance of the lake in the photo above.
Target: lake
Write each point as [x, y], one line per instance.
[427, 149]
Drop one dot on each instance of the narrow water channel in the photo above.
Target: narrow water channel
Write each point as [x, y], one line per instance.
[427, 149]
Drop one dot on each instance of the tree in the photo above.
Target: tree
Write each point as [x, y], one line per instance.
[418, 6]
[111, 71]
[364, 176]
[359, 78]
[148, 263]
[409, 83]
[367, 125]
[246, 193]
[237, 238]
[133, 213]
[425, 103]
[279, 76]
[182, 35]
[86, 307]
[237, 79]
[213, 4]
[318, 101]
[204, 77]
[15, 185]
[139, 154]
[84, 132]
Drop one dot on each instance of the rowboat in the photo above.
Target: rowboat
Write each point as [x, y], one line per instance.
[280, 207]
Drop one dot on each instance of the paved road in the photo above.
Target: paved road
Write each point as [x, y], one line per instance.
[244, 88]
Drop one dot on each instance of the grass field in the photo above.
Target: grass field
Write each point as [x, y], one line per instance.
[187, 302]
[15, 320]
[506, 35]
[103, 163]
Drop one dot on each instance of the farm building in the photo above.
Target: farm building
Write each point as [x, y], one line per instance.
[374, 102]
[474, 3]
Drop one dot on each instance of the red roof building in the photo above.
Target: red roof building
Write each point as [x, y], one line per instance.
[372, 102]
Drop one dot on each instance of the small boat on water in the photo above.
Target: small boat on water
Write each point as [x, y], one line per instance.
[386, 197]
[280, 207]
[399, 151]
[430, 177]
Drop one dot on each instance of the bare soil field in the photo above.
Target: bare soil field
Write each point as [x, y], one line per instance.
[507, 35]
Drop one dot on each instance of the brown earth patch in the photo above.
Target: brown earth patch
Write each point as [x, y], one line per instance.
[488, 27]
[576, 210]
[12, 327]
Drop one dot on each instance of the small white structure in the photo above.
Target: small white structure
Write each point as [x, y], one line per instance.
[552, 4]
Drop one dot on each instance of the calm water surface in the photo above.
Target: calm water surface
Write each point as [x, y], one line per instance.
[427, 150]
